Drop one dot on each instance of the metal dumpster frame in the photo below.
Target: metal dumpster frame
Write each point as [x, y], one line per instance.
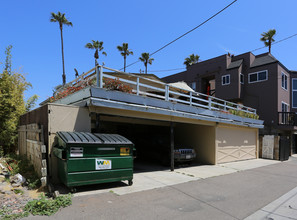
[90, 158]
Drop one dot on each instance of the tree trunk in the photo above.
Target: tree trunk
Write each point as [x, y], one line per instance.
[63, 76]
[146, 68]
[124, 63]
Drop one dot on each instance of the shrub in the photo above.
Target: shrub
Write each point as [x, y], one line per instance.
[116, 84]
[69, 90]
[44, 206]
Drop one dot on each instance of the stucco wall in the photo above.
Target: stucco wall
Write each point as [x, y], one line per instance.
[201, 138]
[64, 118]
[55, 118]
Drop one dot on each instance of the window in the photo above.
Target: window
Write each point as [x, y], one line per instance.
[258, 76]
[285, 110]
[294, 93]
[284, 81]
[226, 80]
[193, 85]
[241, 78]
[285, 107]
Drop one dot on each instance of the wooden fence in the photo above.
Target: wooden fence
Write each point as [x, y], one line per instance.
[31, 145]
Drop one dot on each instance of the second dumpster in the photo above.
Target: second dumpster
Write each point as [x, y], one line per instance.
[88, 158]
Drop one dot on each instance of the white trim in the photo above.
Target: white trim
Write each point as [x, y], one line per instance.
[240, 74]
[293, 90]
[288, 106]
[282, 81]
[226, 76]
[258, 76]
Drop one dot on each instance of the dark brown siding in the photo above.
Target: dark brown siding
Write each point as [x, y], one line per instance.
[199, 71]
[231, 91]
[263, 95]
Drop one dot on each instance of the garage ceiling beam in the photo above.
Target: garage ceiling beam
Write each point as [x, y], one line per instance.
[130, 120]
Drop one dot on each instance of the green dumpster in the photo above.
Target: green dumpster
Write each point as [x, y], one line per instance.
[88, 158]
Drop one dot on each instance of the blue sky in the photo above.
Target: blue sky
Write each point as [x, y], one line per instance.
[146, 26]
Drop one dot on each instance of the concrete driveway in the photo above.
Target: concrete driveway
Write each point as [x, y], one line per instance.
[238, 195]
[148, 177]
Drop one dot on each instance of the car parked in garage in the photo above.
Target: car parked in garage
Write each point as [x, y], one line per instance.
[184, 154]
[157, 148]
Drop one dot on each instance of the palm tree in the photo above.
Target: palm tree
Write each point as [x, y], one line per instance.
[145, 58]
[97, 45]
[192, 59]
[267, 38]
[59, 17]
[125, 52]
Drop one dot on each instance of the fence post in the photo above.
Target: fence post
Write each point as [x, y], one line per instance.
[225, 106]
[101, 77]
[97, 75]
[209, 103]
[137, 86]
[167, 92]
[191, 94]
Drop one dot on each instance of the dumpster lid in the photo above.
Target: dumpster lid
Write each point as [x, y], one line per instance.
[91, 138]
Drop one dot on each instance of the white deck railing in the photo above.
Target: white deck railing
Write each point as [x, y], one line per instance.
[144, 86]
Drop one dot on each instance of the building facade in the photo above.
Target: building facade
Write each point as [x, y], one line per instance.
[261, 82]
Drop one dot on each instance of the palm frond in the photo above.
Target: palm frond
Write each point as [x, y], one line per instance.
[60, 17]
[145, 58]
[192, 59]
[68, 23]
[268, 36]
[124, 50]
[150, 61]
[97, 45]
[89, 46]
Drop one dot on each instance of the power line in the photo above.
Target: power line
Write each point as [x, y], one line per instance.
[194, 28]
[275, 42]
[286, 38]
[171, 42]
[166, 70]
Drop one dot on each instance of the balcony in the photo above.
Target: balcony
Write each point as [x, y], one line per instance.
[287, 118]
[123, 91]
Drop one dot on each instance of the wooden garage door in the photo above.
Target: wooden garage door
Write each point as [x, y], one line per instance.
[235, 144]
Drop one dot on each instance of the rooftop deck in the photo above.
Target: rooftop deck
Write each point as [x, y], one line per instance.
[151, 95]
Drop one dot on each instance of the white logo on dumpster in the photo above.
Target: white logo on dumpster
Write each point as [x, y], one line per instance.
[102, 164]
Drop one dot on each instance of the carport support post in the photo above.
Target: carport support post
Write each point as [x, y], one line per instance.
[171, 147]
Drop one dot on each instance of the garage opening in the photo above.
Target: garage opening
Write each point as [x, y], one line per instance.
[152, 139]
